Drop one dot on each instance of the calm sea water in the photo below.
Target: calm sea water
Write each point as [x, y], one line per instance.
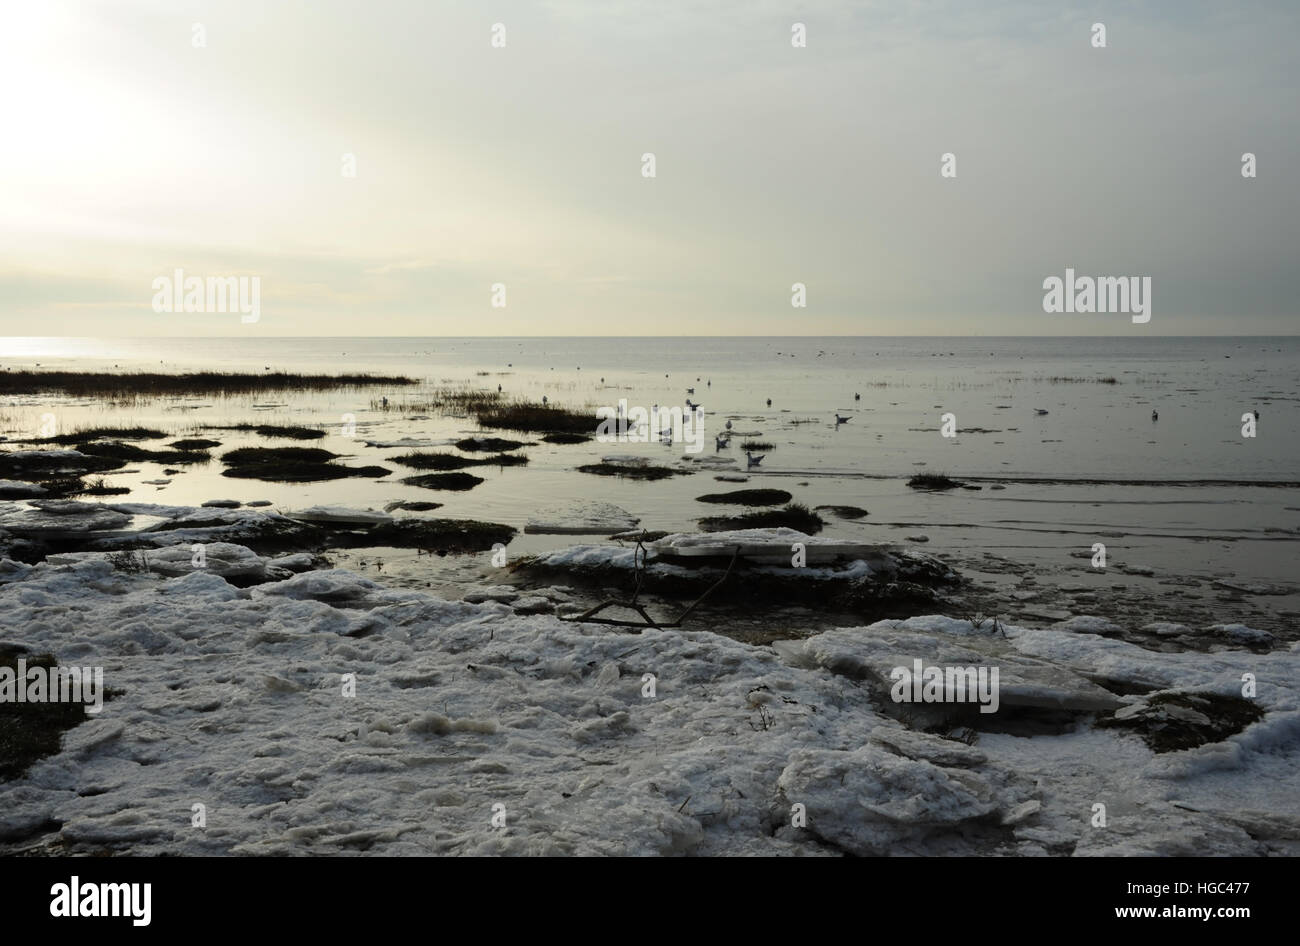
[1092, 430]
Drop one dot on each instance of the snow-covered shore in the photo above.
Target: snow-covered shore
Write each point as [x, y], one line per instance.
[234, 699]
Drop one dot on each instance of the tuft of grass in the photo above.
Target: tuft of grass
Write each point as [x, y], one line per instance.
[450, 461]
[536, 418]
[631, 472]
[473, 444]
[935, 481]
[566, 438]
[412, 506]
[247, 456]
[794, 516]
[105, 433]
[755, 445]
[130, 452]
[748, 497]
[271, 430]
[133, 562]
[96, 487]
[440, 401]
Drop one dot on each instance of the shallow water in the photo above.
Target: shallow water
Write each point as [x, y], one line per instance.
[1095, 431]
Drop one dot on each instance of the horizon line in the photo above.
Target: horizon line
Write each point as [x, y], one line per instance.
[373, 336]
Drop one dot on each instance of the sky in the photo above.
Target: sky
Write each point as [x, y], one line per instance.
[144, 136]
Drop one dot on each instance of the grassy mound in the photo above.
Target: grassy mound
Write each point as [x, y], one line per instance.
[794, 516]
[844, 512]
[271, 430]
[194, 443]
[474, 444]
[106, 433]
[935, 481]
[129, 452]
[566, 438]
[630, 471]
[441, 535]
[747, 497]
[291, 465]
[455, 481]
[450, 461]
[536, 418]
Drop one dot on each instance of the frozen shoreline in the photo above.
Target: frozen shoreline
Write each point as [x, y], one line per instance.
[232, 698]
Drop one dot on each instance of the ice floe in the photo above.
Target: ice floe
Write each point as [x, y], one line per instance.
[587, 518]
[237, 698]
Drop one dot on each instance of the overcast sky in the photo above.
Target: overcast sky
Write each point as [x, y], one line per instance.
[129, 152]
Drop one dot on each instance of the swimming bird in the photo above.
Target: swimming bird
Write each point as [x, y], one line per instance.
[544, 399]
[857, 397]
[690, 390]
[728, 425]
[1039, 410]
[769, 402]
[385, 400]
[498, 389]
[1155, 415]
[840, 420]
[754, 458]
[1256, 413]
[722, 441]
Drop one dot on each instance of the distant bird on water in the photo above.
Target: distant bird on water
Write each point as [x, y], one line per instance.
[754, 458]
[728, 425]
[769, 402]
[1039, 410]
[857, 397]
[722, 441]
[1155, 415]
[544, 399]
[1256, 413]
[840, 420]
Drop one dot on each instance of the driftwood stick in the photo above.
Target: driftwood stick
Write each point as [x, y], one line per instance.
[589, 616]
